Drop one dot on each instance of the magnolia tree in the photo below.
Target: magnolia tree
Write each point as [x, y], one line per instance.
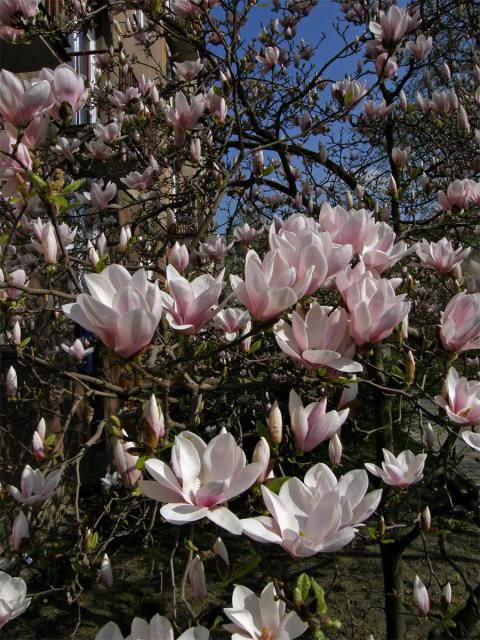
[243, 302]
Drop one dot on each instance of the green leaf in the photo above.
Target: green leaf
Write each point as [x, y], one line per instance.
[73, 186]
[398, 372]
[140, 463]
[261, 429]
[3, 239]
[255, 346]
[320, 597]
[319, 635]
[276, 484]
[49, 440]
[372, 532]
[217, 90]
[302, 589]
[268, 170]
[245, 568]
[201, 348]
[24, 342]
[59, 199]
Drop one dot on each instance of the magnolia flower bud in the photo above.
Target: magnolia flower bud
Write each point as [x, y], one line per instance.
[402, 100]
[462, 120]
[154, 418]
[92, 254]
[20, 532]
[196, 149]
[258, 163]
[106, 575]
[425, 520]
[409, 368]
[245, 344]
[123, 241]
[11, 382]
[392, 186]
[322, 154]
[261, 455]
[335, 449]
[171, 220]
[221, 558]
[446, 596]
[16, 334]
[275, 424]
[446, 73]
[420, 595]
[196, 576]
[429, 436]
[38, 440]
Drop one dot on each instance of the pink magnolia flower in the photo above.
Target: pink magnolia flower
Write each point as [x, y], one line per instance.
[312, 424]
[256, 617]
[182, 115]
[185, 8]
[139, 181]
[346, 227]
[159, 628]
[126, 463]
[188, 70]
[441, 256]
[65, 149]
[17, 277]
[268, 286]
[67, 88]
[108, 133]
[322, 339]
[319, 515]
[190, 305]
[178, 256]
[35, 488]
[271, 57]
[420, 595]
[12, 167]
[201, 478]
[460, 326]
[261, 454]
[460, 399]
[122, 310]
[393, 25]
[217, 105]
[48, 245]
[20, 531]
[247, 234]
[379, 250]
[213, 248]
[385, 66]
[399, 471]
[312, 254]
[472, 439]
[99, 150]
[100, 196]
[231, 321]
[20, 103]
[349, 92]
[458, 196]
[375, 309]
[373, 110]
[13, 600]
[421, 47]
[77, 350]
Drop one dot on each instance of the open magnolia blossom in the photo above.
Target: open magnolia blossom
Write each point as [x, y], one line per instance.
[319, 515]
[190, 305]
[313, 424]
[159, 628]
[12, 598]
[35, 488]
[201, 479]
[460, 326]
[122, 310]
[441, 256]
[268, 288]
[375, 309]
[262, 617]
[399, 471]
[321, 339]
[472, 439]
[460, 399]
